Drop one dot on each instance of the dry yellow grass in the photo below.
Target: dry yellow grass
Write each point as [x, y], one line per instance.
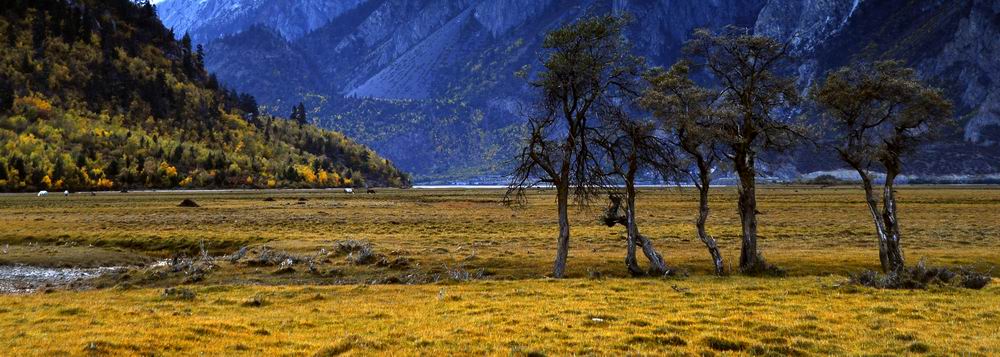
[808, 231]
[799, 315]
[818, 235]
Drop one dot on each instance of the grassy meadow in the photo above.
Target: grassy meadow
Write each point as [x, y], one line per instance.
[458, 273]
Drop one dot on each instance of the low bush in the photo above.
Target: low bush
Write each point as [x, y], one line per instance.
[178, 294]
[921, 276]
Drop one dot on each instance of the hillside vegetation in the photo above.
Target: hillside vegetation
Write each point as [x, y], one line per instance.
[100, 95]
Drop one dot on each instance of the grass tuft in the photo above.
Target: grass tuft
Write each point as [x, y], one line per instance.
[722, 344]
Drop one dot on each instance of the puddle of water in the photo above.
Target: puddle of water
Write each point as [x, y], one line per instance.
[26, 279]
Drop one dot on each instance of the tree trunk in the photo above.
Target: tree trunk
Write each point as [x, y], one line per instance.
[893, 250]
[656, 264]
[631, 263]
[713, 248]
[562, 249]
[872, 201]
[746, 170]
[890, 253]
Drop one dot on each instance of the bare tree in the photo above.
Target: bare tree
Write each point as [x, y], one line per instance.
[630, 145]
[688, 115]
[587, 66]
[746, 69]
[878, 114]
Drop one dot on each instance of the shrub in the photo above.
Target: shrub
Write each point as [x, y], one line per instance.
[921, 276]
[255, 301]
[358, 252]
[271, 257]
[365, 255]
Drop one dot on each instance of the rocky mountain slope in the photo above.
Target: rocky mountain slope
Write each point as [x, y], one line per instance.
[430, 82]
[206, 20]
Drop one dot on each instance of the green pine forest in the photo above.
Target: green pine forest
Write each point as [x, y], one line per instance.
[99, 95]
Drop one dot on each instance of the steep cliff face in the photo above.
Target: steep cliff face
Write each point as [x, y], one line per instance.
[952, 44]
[502, 16]
[425, 65]
[207, 20]
[805, 23]
[972, 57]
[260, 59]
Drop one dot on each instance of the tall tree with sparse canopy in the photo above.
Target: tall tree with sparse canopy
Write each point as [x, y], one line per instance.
[687, 114]
[877, 115]
[585, 64]
[746, 69]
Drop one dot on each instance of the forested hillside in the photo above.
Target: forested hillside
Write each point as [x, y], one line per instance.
[100, 95]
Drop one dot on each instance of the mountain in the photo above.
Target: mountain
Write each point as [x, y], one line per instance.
[208, 19]
[98, 94]
[431, 84]
[952, 44]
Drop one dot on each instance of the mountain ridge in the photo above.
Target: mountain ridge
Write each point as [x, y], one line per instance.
[465, 53]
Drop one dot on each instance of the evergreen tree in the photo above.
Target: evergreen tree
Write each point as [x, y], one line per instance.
[178, 155]
[112, 170]
[291, 174]
[6, 95]
[199, 59]
[299, 114]
[17, 164]
[81, 160]
[58, 171]
[187, 59]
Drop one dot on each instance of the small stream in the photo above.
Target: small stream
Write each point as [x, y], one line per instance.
[22, 279]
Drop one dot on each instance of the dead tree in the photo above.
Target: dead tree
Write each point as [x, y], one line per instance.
[877, 115]
[629, 145]
[585, 66]
[688, 116]
[746, 70]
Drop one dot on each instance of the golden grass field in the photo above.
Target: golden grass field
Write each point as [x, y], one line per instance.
[817, 235]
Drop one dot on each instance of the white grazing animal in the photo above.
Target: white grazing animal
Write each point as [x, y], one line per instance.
[66, 193]
[43, 193]
[348, 190]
